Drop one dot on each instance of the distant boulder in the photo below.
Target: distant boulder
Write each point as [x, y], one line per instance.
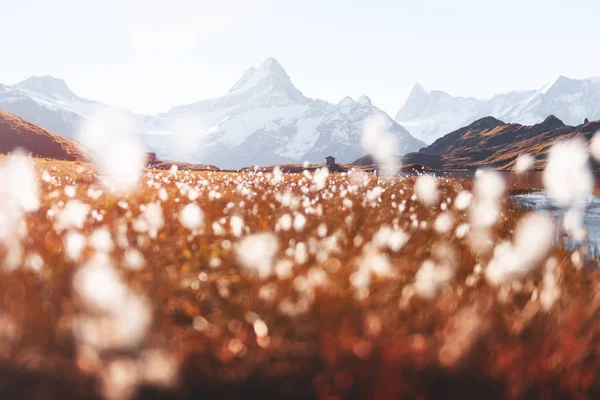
[586, 121]
[151, 158]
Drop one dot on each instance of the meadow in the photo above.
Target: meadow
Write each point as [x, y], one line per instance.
[267, 284]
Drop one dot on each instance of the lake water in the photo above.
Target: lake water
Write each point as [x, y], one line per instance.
[540, 202]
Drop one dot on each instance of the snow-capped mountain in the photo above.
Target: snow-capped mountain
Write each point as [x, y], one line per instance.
[263, 120]
[429, 115]
[49, 103]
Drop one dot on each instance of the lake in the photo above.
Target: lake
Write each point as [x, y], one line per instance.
[540, 202]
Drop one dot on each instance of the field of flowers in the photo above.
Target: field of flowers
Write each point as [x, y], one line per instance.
[313, 285]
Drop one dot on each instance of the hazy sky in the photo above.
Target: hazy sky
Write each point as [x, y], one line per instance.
[150, 55]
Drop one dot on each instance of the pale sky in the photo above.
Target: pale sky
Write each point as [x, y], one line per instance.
[150, 55]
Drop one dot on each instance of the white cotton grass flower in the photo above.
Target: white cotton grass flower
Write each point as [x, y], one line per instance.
[380, 143]
[524, 163]
[99, 285]
[550, 289]
[320, 178]
[358, 177]
[34, 262]
[133, 259]
[110, 138]
[158, 368]
[277, 175]
[75, 242]
[191, 216]
[371, 262]
[489, 185]
[574, 224]
[595, 146]
[257, 252]
[153, 219]
[73, 215]
[444, 222]
[485, 208]
[299, 222]
[19, 183]
[70, 191]
[14, 253]
[462, 230]
[373, 194]
[567, 177]
[120, 379]
[322, 230]
[431, 277]
[94, 193]
[19, 194]
[532, 241]
[284, 223]
[101, 240]
[237, 226]
[463, 200]
[392, 238]
[426, 190]
[163, 195]
[114, 317]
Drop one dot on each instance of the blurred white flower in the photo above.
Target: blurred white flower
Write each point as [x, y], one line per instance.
[256, 252]
[463, 200]
[595, 146]
[567, 176]
[532, 241]
[111, 139]
[73, 215]
[523, 163]
[430, 278]
[426, 189]
[191, 216]
[379, 142]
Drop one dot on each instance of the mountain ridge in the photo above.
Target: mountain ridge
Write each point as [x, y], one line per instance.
[262, 120]
[429, 115]
[491, 143]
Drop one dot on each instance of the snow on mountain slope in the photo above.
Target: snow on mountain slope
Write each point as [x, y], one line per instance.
[49, 103]
[263, 119]
[431, 115]
[342, 128]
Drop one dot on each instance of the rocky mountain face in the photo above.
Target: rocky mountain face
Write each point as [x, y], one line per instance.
[263, 119]
[429, 115]
[489, 142]
[16, 133]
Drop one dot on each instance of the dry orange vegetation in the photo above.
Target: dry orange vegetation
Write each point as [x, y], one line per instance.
[18, 133]
[303, 324]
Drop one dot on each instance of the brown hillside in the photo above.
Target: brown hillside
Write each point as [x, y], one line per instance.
[18, 133]
[492, 143]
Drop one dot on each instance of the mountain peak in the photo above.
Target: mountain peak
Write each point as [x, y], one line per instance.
[418, 89]
[346, 101]
[550, 123]
[46, 85]
[271, 63]
[269, 71]
[486, 123]
[364, 100]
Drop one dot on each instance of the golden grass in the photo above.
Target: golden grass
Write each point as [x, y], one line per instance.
[471, 341]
